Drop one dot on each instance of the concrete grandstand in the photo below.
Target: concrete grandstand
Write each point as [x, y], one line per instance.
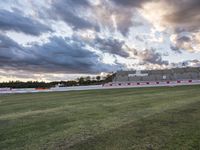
[174, 74]
[150, 78]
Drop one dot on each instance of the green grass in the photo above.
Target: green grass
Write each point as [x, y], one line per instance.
[117, 119]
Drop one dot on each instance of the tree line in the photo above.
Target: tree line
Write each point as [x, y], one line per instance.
[82, 81]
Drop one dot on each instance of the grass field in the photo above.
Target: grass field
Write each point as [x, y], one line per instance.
[115, 119]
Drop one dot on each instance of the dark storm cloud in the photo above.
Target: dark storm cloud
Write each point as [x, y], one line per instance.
[130, 3]
[84, 15]
[106, 11]
[193, 63]
[187, 63]
[111, 46]
[58, 55]
[10, 51]
[175, 49]
[15, 21]
[137, 23]
[70, 11]
[182, 42]
[148, 56]
[62, 55]
[139, 38]
[184, 39]
[125, 13]
[185, 16]
[151, 56]
[125, 23]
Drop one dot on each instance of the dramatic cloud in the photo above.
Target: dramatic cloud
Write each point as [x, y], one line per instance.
[189, 63]
[178, 17]
[113, 17]
[112, 46]
[185, 15]
[130, 3]
[55, 37]
[139, 38]
[183, 42]
[69, 11]
[97, 17]
[188, 42]
[58, 55]
[175, 49]
[10, 51]
[15, 21]
[150, 56]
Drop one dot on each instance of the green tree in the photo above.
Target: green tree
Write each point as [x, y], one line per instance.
[81, 81]
[98, 78]
[87, 78]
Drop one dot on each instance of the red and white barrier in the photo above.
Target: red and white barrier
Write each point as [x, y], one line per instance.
[152, 83]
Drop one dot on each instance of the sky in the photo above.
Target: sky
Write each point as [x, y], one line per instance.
[48, 40]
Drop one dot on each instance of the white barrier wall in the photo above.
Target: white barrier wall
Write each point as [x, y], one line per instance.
[5, 89]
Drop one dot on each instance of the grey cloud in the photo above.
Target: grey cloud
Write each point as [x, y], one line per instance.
[104, 12]
[93, 17]
[193, 63]
[69, 11]
[139, 38]
[185, 16]
[148, 56]
[58, 55]
[130, 3]
[175, 49]
[10, 51]
[15, 21]
[111, 45]
[187, 63]
[184, 39]
[125, 22]
[151, 56]
[126, 17]
[137, 23]
[182, 43]
[72, 57]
